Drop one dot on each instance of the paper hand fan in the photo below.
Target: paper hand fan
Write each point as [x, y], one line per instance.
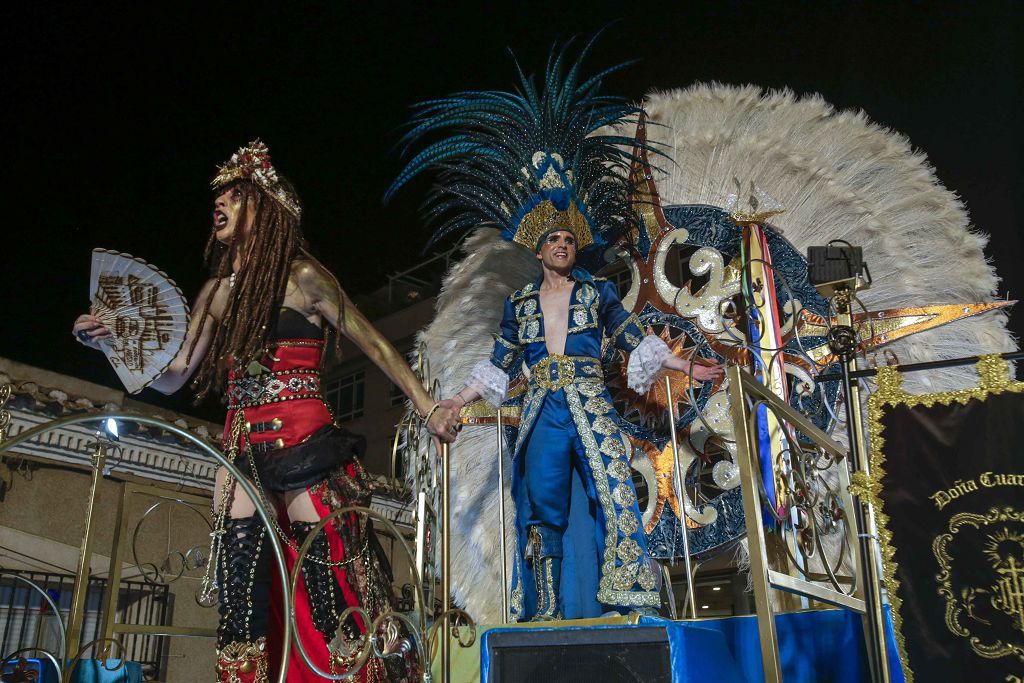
[145, 312]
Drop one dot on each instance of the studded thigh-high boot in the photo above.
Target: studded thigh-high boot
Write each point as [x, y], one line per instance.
[321, 585]
[243, 576]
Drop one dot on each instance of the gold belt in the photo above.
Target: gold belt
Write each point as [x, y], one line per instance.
[555, 372]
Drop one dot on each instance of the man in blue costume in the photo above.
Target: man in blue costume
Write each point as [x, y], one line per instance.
[555, 326]
[534, 164]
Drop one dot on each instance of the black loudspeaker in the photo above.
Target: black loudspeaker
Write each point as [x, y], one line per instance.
[628, 654]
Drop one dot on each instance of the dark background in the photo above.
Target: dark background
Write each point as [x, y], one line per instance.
[115, 118]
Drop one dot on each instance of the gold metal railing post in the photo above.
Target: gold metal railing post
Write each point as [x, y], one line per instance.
[680, 483]
[110, 594]
[77, 616]
[501, 519]
[874, 618]
[746, 453]
[446, 565]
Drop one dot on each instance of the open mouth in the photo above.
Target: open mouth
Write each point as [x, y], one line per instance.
[220, 220]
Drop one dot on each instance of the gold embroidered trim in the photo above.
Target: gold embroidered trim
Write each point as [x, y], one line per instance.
[569, 370]
[582, 317]
[625, 323]
[628, 523]
[994, 379]
[572, 398]
[521, 294]
[1007, 595]
[511, 351]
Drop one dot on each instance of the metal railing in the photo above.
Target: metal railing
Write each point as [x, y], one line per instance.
[27, 619]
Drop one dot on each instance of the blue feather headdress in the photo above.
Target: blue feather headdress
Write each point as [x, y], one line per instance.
[527, 162]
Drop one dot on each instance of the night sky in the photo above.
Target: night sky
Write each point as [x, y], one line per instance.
[114, 120]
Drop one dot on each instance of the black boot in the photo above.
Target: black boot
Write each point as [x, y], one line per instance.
[243, 577]
[325, 603]
[547, 575]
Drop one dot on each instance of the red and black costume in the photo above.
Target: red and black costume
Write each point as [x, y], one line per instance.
[287, 440]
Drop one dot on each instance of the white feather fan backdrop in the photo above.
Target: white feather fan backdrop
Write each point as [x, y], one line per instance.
[839, 176]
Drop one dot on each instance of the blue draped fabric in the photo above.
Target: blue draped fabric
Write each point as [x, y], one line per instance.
[824, 646]
[95, 671]
[821, 646]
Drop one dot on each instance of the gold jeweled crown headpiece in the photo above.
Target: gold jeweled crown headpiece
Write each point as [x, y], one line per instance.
[554, 207]
[545, 218]
[252, 163]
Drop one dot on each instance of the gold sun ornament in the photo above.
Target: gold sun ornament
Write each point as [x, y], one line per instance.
[650, 409]
[1003, 545]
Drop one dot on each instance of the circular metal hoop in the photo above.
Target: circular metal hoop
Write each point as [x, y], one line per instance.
[135, 537]
[286, 636]
[364, 651]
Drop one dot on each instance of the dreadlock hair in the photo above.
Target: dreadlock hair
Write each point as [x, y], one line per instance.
[252, 310]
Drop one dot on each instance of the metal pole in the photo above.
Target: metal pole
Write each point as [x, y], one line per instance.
[501, 519]
[874, 622]
[77, 616]
[421, 553]
[916, 367]
[680, 482]
[748, 460]
[446, 566]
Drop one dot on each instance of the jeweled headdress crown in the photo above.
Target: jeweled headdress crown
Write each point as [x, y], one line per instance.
[530, 161]
[252, 163]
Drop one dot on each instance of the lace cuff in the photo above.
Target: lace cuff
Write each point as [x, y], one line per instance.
[489, 381]
[645, 363]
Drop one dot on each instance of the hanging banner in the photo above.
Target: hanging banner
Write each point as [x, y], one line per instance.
[949, 494]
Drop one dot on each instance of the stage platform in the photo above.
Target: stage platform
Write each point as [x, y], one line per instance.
[819, 646]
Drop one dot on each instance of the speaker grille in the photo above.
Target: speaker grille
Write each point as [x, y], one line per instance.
[619, 655]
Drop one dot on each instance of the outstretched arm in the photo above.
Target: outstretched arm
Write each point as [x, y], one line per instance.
[331, 302]
[489, 378]
[648, 354]
[211, 297]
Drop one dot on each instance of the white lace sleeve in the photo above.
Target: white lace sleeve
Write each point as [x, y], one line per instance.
[488, 381]
[645, 363]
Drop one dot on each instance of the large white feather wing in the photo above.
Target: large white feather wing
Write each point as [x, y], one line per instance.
[469, 311]
[145, 311]
[839, 176]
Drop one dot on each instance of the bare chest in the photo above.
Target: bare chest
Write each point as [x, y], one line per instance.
[554, 304]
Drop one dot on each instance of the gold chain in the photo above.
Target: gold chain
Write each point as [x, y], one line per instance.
[219, 512]
[273, 518]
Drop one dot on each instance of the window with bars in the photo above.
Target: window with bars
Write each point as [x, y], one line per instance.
[396, 397]
[346, 395]
[28, 621]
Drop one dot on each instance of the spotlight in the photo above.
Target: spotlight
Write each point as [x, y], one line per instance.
[704, 607]
[716, 588]
[837, 265]
[110, 428]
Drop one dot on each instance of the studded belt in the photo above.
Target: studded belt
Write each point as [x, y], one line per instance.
[555, 372]
[273, 387]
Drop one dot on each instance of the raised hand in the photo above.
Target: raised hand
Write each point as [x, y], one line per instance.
[698, 369]
[89, 331]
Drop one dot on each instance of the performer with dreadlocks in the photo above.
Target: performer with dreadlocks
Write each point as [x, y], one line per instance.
[259, 323]
[534, 164]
